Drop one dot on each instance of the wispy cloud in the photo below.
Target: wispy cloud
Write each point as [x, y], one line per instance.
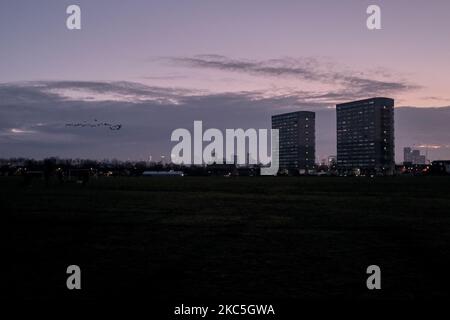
[29, 92]
[349, 84]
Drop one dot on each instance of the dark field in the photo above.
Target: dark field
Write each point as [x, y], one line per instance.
[256, 238]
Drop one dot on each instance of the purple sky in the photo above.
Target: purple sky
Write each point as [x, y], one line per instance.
[256, 58]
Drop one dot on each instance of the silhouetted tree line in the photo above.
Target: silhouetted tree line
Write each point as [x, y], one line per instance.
[84, 169]
[81, 170]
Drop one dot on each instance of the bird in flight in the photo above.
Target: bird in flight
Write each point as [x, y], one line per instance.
[96, 124]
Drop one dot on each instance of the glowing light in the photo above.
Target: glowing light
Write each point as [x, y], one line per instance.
[431, 146]
[19, 131]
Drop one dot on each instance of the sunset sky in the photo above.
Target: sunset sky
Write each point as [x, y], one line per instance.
[216, 59]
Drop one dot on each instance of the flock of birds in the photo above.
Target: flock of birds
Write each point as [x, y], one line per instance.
[95, 125]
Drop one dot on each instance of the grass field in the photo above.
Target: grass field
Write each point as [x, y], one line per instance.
[176, 238]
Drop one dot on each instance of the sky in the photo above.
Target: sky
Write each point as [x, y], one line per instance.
[154, 66]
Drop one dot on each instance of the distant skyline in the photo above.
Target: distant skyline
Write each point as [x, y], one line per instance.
[154, 66]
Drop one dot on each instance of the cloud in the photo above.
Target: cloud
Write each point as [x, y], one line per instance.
[33, 121]
[350, 84]
[301, 68]
[30, 92]
[434, 98]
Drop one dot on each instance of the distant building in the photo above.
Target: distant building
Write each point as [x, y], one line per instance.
[440, 167]
[365, 136]
[222, 169]
[411, 156]
[170, 173]
[332, 161]
[297, 144]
